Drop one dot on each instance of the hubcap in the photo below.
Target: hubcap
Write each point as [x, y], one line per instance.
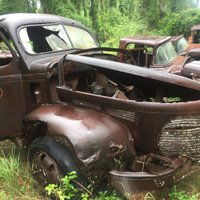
[45, 169]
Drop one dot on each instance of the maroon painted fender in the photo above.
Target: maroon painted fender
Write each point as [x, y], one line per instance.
[92, 134]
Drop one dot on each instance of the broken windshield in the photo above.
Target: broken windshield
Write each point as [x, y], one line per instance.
[51, 38]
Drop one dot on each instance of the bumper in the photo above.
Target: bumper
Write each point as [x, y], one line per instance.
[150, 173]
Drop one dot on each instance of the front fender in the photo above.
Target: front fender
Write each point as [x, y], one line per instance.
[93, 135]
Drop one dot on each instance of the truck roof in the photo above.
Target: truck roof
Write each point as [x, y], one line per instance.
[195, 27]
[13, 21]
[150, 40]
[176, 37]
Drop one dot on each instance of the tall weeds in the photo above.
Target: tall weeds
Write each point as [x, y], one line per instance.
[15, 177]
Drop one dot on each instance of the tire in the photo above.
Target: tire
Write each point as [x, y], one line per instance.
[44, 168]
[50, 161]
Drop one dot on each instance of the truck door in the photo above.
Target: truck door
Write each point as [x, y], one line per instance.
[11, 90]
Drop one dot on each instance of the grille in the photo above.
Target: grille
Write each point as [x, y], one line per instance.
[127, 115]
[181, 136]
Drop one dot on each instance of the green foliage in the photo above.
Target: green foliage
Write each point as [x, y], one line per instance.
[178, 23]
[66, 9]
[13, 6]
[147, 13]
[16, 181]
[182, 195]
[111, 20]
[66, 190]
[113, 26]
[105, 195]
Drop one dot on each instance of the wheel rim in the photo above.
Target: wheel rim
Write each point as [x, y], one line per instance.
[45, 169]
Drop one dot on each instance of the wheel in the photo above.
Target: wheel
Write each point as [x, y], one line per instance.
[50, 161]
[44, 168]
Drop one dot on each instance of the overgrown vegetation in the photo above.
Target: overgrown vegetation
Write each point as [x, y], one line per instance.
[113, 19]
[67, 190]
[182, 195]
[16, 180]
[17, 183]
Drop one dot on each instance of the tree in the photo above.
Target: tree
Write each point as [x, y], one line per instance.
[13, 6]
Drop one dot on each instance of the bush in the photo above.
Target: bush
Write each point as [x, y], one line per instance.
[178, 23]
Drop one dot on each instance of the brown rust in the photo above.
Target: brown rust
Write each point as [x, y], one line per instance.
[177, 65]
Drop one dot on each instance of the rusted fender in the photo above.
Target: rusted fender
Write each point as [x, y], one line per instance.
[92, 134]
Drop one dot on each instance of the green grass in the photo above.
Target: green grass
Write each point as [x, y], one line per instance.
[18, 184]
[15, 177]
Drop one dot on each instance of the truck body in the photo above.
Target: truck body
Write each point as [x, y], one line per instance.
[80, 109]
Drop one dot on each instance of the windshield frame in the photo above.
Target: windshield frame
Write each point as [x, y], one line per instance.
[63, 25]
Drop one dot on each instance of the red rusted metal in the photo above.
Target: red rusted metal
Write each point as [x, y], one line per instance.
[83, 127]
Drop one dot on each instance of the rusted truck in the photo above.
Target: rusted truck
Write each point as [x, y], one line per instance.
[157, 52]
[85, 111]
[183, 47]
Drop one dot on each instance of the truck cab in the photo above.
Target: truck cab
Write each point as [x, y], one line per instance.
[159, 53]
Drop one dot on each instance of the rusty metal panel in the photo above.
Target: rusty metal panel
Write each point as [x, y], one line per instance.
[177, 66]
